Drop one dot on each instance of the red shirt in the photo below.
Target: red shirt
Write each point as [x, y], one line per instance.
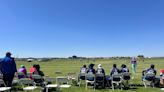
[32, 70]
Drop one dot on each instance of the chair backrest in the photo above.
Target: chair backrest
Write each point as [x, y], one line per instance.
[50, 80]
[90, 77]
[150, 76]
[62, 80]
[2, 82]
[36, 76]
[1, 76]
[126, 75]
[99, 77]
[117, 77]
[26, 81]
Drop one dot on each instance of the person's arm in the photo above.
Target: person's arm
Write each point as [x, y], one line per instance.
[143, 72]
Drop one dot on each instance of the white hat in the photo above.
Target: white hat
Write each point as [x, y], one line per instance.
[99, 66]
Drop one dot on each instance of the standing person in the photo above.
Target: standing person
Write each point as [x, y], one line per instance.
[134, 64]
[8, 69]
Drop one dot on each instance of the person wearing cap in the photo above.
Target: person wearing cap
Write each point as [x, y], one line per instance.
[8, 69]
[23, 70]
[91, 70]
[100, 70]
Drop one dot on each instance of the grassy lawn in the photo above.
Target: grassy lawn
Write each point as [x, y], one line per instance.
[67, 66]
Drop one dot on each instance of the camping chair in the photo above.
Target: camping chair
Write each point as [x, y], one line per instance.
[149, 79]
[4, 88]
[38, 79]
[100, 80]
[126, 78]
[81, 77]
[62, 82]
[90, 78]
[50, 83]
[27, 84]
[116, 79]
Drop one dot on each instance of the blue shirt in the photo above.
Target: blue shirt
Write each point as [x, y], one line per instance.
[8, 65]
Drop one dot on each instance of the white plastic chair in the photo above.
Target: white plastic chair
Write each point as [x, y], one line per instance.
[52, 84]
[27, 84]
[88, 76]
[4, 88]
[62, 82]
[117, 79]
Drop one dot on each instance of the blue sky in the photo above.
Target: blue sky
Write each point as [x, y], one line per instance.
[62, 28]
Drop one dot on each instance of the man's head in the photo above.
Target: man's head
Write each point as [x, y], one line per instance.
[84, 66]
[114, 65]
[8, 54]
[152, 66]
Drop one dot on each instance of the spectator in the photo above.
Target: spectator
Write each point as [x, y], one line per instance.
[134, 65]
[150, 70]
[91, 70]
[100, 69]
[23, 70]
[162, 77]
[83, 69]
[32, 69]
[114, 70]
[124, 68]
[38, 71]
[8, 69]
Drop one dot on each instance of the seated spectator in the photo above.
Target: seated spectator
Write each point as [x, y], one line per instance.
[100, 69]
[162, 77]
[150, 71]
[114, 70]
[22, 70]
[91, 70]
[83, 71]
[38, 71]
[124, 69]
[32, 69]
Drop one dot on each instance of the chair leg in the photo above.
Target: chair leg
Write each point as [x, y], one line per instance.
[145, 84]
[86, 86]
[47, 89]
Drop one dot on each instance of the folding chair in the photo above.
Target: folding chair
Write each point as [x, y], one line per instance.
[4, 88]
[116, 79]
[50, 83]
[149, 79]
[62, 82]
[81, 77]
[27, 84]
[100, 80]
[90, 78]
[38, 79]
[126, 78]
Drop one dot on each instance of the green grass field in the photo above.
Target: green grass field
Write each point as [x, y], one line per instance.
[68, 65]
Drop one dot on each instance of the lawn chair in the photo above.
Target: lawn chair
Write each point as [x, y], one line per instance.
[100, 80]
[38, 79]
[62, 82]
[81, 77]
[126, 78]
[149, 79]
[7, 89]
[50, 83]
[117, 79]
[90, 78]
[27, 84]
